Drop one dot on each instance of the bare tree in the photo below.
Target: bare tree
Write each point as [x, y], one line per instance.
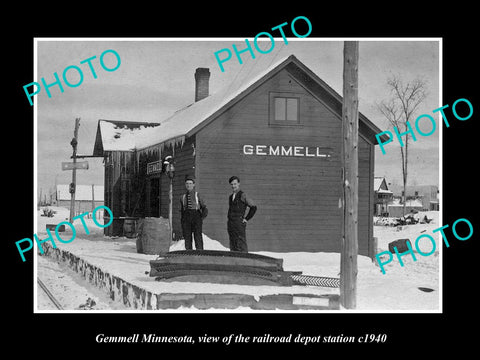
[399, 109]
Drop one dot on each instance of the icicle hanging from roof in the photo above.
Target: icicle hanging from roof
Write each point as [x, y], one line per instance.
[159, 149]
[137, 158]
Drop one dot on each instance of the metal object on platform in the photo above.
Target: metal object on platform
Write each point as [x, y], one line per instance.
[217, 257]
[227, 277]
[322, 281]
[237, 254]
[230, 267]
[225, 267]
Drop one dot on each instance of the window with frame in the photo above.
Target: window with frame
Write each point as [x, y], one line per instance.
[284, 109]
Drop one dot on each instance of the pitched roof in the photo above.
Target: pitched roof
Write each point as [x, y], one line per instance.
[188, 120]
[117, 135]
[377, 185]
[377, 181]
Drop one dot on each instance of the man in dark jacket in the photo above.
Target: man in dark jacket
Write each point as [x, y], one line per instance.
[193, 211]
[240, 210]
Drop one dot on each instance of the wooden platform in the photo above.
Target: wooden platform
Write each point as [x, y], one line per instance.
[140, 292]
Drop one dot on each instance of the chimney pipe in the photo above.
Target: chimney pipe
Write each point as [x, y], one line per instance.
[202, 76]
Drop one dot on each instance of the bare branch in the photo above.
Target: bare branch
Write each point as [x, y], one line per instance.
[391, 111]
[400, 109]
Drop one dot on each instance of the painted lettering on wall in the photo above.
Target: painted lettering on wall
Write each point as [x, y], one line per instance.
[283, 150]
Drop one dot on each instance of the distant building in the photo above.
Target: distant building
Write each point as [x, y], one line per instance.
[84, 194]
[395, 208]
[382, 197]
[426, 194]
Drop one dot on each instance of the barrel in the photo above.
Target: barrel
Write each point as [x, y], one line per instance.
[153, 236]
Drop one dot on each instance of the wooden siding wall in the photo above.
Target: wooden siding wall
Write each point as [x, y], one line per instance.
[118, 177]
[297, 197]
[184, 165]
[127, 183]
[140, 195]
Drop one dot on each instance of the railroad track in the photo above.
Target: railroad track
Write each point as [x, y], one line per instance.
[49, 294]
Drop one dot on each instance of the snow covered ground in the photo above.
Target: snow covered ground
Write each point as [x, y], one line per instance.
[397, 290]
[69, 288]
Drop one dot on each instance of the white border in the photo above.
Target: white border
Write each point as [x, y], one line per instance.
[35, 187]
[233, 311]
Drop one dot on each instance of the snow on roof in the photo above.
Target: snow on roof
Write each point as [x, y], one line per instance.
[410, 203]
[186, 119]
[415, 203]
[115, 138]
[381, 191]
[118, 136]
[82, 192]
[176, 127]
[377, 182]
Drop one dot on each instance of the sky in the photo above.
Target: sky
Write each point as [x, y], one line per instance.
[156, 78]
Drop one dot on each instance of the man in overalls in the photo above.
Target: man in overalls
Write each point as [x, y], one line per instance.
[193, 211]
[240, 210]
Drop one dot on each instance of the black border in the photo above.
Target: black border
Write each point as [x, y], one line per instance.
[77, 331]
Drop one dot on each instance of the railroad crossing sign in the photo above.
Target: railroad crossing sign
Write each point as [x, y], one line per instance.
[77, 165]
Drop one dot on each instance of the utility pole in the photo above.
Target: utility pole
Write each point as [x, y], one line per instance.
[169, 169]
[74, 143]
[170, 208]
[349, 241]
[93, 198]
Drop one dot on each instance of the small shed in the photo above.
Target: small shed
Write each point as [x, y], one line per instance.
[395, 209]
[87, 197]
[123, 190]
[428, 195]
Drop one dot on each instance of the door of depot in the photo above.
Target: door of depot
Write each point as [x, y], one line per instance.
[153, 196]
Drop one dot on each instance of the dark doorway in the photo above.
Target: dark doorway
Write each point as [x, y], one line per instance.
[154, 198]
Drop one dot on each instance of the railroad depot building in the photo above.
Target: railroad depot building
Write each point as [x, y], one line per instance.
[280, 133]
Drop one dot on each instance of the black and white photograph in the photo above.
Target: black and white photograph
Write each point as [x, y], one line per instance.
[233, 175]
[215, 179]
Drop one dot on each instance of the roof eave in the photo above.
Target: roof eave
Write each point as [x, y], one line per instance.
[240, 96]
[367, 122]
[98, 145]
[291, 59]
[98, 149]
